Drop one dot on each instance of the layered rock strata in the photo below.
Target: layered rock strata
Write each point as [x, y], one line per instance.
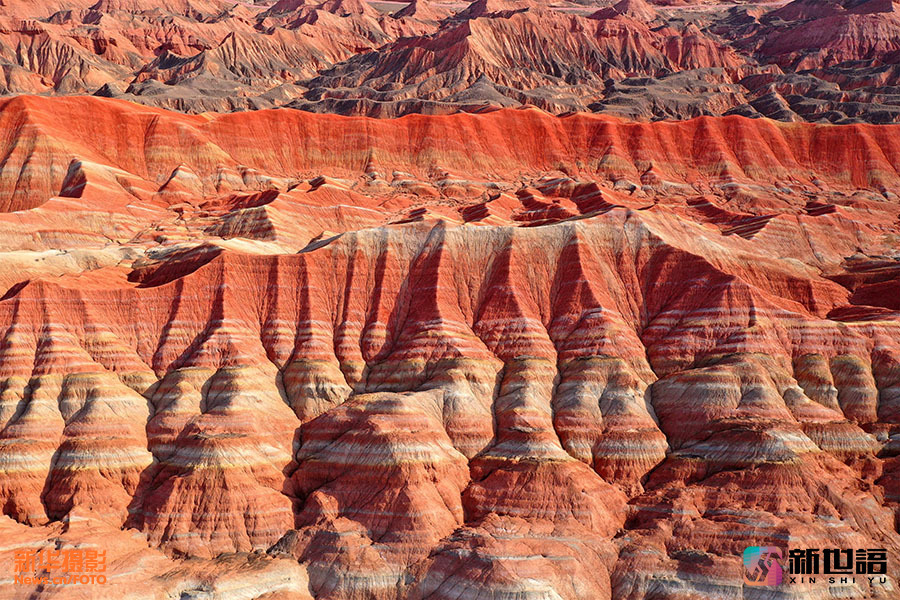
[285, 355]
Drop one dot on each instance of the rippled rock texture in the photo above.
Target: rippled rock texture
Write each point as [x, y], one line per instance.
[508, 355]
[807, 60]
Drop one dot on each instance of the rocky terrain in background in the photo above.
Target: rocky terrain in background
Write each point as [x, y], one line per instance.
[810, 60]
[276, 354]
[613, 297]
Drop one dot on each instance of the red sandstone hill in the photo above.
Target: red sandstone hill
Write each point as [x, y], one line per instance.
[275, 354]
[823, 34]
[51, 145]
[556, 61]
[815, 61]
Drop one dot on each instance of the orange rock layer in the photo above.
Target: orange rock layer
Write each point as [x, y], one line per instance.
[505, 355]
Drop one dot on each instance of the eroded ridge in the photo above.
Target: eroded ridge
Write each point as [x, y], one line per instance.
[831, 61]
[418, 372]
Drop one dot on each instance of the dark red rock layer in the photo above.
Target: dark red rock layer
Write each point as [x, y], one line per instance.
[418, 359]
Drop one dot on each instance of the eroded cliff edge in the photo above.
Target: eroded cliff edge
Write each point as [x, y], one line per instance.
[498, 355]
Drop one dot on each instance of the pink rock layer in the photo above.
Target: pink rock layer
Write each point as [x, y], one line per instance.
[283, 355]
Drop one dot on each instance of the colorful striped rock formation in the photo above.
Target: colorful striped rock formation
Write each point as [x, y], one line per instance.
[507, 355]
[808, 60]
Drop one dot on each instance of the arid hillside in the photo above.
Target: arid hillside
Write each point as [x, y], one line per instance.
[834, 61]
[283, 355]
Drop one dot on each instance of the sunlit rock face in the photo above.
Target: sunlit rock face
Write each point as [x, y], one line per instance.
[510, 355]
[821, 61]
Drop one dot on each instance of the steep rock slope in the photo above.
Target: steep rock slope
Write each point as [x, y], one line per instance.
[596, 360]
[530, 55]
[62, 147]
[830, 61]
